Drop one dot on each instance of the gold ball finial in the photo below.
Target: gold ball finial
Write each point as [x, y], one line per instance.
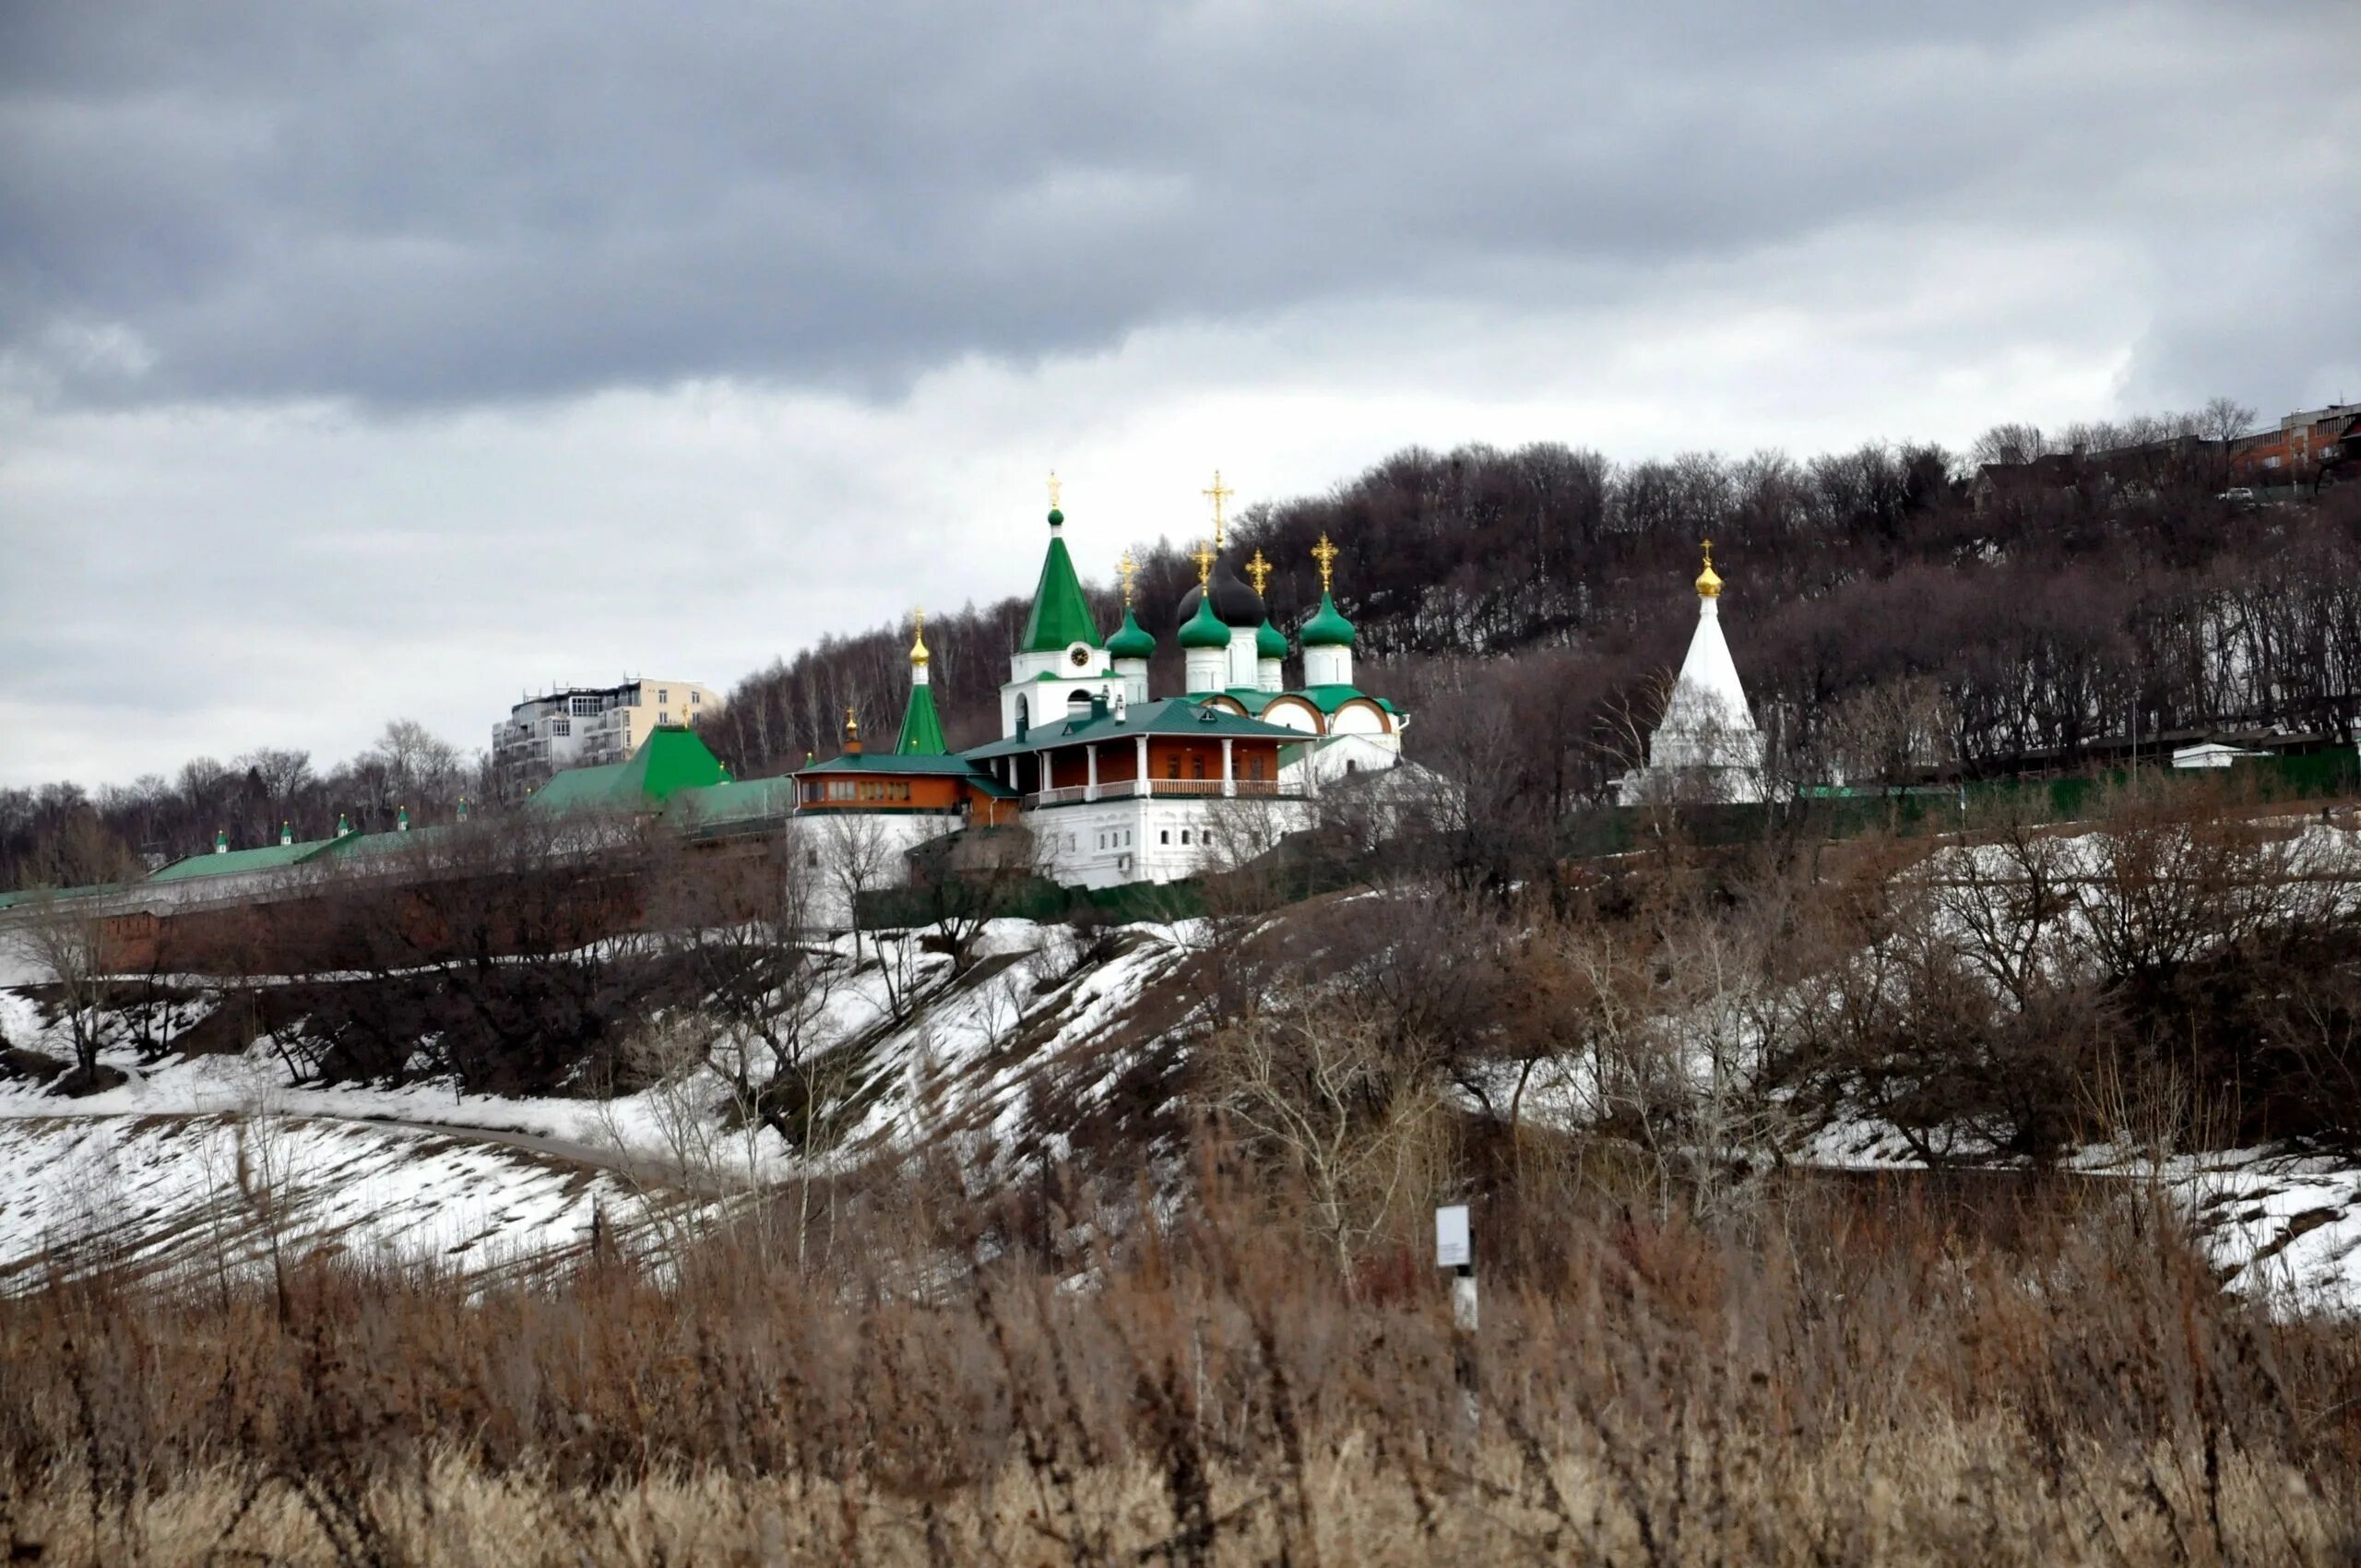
[1709, 582]
[1325, 554]
[1205, 557]
[1259, 570]
[919, 655]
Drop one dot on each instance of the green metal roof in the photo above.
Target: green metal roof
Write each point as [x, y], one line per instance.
[669, 760]
[1328, 699]
[269, 857]
[387, 843]
[1060, 615]
[1172, 716]
[1254, 699]
[1327, 628]
[1132, 640]
[921, 730]
[1205, 628]
[891, 765]
[734, 800]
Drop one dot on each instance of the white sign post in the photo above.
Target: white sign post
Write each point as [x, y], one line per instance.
[1450, 1237]
[1454, 1251]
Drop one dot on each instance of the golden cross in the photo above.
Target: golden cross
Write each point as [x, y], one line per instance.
[1128, 568]
[1055, 489]
[1205, 559]
[1259, 569]
[1325, 554]
[852, 725]
[1707, 546]
[1219, 494]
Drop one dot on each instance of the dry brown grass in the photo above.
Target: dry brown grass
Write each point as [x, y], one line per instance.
[1854, 1376]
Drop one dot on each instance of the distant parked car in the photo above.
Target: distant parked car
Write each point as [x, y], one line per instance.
[2240, 495]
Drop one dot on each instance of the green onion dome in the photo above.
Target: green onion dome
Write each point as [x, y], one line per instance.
[1131, 640]
[1270, 642]
[1205, 628]
[1328, 628]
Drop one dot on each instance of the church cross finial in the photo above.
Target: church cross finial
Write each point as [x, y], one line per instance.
[1056, 488]
[1259, 570]
[1218, 495]
[852, 725]
[918, 635]
[1325, 554]
[1128, 569]
[1205, 557]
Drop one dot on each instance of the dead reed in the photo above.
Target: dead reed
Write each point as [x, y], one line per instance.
[1856, 1374]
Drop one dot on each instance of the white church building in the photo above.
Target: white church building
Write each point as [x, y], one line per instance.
[1705, 748]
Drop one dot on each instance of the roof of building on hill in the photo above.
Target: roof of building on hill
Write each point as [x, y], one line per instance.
[1167, 717]
[669, 760]
[894, 763]
[267, 857]
[733, 802]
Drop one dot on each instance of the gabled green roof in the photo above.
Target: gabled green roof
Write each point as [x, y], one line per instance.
[669, 760]
[921, 730]
[267, 857]
[1171, 716]
[890, 765]
[1060, 615]
[734, 801]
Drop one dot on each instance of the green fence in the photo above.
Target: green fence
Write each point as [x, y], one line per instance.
[2332, 773]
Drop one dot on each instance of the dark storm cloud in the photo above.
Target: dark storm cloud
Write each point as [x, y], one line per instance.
[435, 204]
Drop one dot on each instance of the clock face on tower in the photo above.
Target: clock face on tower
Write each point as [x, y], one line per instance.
[1079, 655]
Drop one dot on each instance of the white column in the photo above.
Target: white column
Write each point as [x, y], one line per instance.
[1141, 771]
[1090, 781]
[1228, 781]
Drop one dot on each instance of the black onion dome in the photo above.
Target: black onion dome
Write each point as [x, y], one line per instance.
[1234, 601]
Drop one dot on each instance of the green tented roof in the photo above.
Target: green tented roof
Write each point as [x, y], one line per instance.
[669, 760]
[921, 730]
[269, 857]
[1060, 615]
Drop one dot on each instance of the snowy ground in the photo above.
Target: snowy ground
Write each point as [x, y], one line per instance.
[177, 1167]
[193, 1160]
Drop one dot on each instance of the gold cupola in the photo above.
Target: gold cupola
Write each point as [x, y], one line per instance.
[1709, 582]
[919, 655]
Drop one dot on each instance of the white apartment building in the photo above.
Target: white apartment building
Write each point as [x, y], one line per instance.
[586, 726]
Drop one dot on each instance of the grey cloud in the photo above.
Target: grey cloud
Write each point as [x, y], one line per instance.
[437, 205]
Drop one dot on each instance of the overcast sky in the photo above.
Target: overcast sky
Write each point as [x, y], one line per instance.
[361, 361]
